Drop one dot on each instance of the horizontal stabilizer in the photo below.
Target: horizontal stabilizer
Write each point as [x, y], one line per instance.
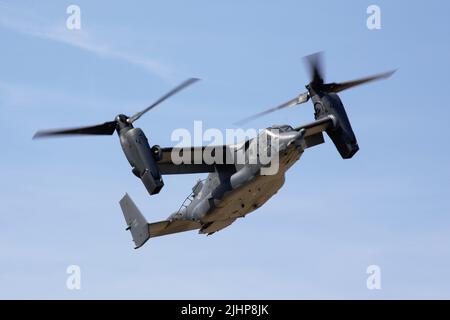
[162, 228]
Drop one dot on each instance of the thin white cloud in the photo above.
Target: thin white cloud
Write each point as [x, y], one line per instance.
[32, 25]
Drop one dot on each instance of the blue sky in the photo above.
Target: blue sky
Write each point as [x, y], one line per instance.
[388, 206]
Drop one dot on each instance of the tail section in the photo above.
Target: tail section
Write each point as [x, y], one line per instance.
[141, 230]
[136, 222]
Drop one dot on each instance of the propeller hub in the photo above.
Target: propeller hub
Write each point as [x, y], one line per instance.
[121, 118]
[122, 122]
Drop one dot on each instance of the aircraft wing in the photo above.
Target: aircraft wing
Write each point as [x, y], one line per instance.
[317, 127]
[313, 135]
[193, 158]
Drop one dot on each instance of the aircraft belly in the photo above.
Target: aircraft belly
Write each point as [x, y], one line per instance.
[247, 198]
[217, 225]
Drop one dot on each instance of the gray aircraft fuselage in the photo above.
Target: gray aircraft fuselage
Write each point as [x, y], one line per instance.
[226, 195]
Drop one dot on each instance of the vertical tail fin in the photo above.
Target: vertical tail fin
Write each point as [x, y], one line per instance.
[136, 222]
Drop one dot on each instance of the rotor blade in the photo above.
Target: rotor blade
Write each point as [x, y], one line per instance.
[106, 128]
[298, 100]
[338, 87]
[315, 65]
[178, 88]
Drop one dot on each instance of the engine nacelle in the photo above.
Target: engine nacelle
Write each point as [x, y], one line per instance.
[341, 134]
[142, 158]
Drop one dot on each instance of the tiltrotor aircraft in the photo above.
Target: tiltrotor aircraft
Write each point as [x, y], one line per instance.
[233, 187]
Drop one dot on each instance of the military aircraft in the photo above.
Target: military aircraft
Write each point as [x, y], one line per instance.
[236, 183]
